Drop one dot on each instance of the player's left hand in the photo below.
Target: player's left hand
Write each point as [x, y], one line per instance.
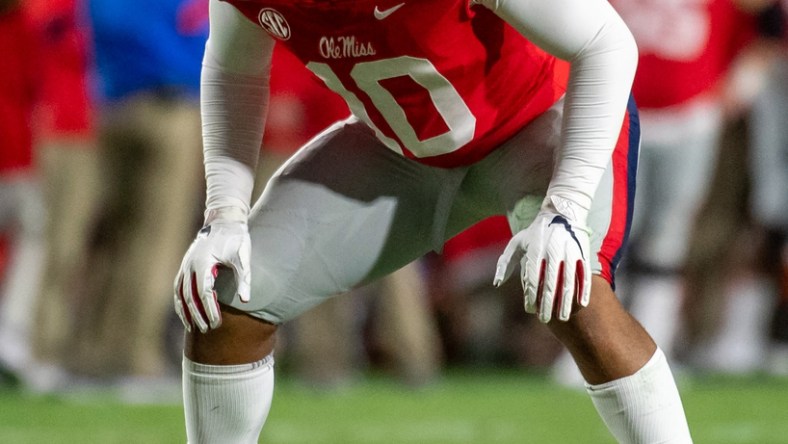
[554, 265]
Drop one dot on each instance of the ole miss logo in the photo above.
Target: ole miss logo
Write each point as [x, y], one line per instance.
[274, 23]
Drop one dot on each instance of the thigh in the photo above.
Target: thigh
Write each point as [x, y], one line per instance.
[343, 211]
[513, 179]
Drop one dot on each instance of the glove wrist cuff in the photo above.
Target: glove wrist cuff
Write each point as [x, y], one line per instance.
[567, 208]
[229, 214]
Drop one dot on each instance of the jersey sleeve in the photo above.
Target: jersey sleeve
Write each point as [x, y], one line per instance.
[234, 102]
[603, 58]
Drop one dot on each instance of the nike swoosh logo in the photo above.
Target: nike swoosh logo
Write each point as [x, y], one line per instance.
[561, 220]
[380, 15]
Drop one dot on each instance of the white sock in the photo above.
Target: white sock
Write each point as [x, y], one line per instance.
[645, 407]
[226, 404]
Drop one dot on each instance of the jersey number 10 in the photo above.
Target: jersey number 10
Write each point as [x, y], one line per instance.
[450, 105]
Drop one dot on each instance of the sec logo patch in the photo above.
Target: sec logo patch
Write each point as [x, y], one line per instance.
[274, 23]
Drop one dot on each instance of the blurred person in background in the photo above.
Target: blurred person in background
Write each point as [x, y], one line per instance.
[687, 51]
[22, 213]
[769, 163]
[67, 158]
[148, 57]
[685, 79]
[330, 344]
[743, 224]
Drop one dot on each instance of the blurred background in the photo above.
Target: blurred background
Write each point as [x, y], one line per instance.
[101, 192]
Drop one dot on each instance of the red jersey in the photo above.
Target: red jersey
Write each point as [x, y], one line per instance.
[17, 91]
[65, 108]
[437, 80]
[300, 105]
[686, 46]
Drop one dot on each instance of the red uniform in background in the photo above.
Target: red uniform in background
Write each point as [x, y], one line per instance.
[688, 51]
[65, 109]
[68, 176]
[686, 48]
[18, 83]
[21, 212]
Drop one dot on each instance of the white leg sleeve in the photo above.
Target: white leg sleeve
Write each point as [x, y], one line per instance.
[226, 404]
[643, 408]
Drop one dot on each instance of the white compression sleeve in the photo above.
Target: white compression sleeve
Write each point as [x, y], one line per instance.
[227, 403]
[234, 102]
[603, 58]
[643, 408]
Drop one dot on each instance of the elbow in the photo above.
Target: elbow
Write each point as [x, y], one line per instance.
[622, 43]
[614, 46]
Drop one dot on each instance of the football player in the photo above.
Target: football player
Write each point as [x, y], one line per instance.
[462, 109]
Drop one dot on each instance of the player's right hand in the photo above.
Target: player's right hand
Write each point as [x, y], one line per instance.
[223, 241]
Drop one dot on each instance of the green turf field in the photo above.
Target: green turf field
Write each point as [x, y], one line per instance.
[467, 407]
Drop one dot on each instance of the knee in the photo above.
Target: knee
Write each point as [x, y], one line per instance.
[240, 339]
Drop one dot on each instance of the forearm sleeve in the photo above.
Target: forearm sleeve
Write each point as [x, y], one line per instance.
[603, 58]
[234, 102]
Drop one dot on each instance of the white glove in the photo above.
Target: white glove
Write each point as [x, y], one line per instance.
[554, 263]
[223, 241]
